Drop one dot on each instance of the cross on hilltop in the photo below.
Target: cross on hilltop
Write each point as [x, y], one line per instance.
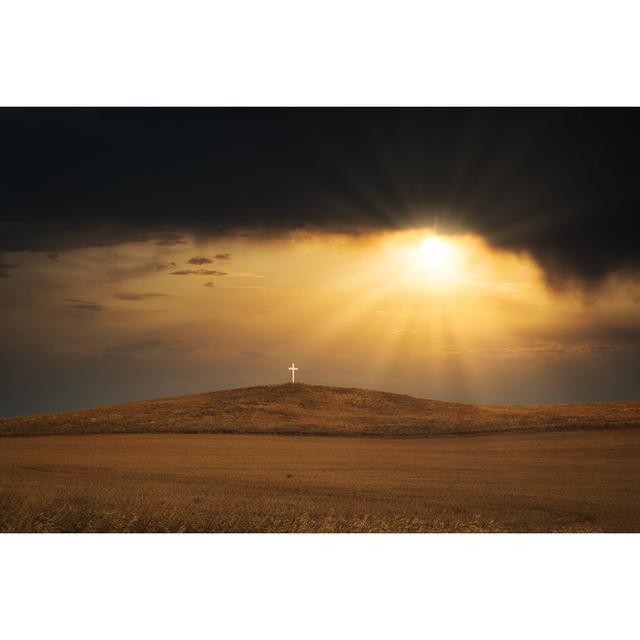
[293, 370]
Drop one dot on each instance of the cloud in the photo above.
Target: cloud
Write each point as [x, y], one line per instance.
[621, 335]
[147, 345]
[209, 284]
[257, 353]
[136, 297]
[5, 268]
[169, 239]
[137, 346]
[537, 350]
[200, 260]
[223, 256]
[558, 184]
[53, 256]
[84, 305]
[547, 350]
[246, 274]
[197, 272]
[159, 266]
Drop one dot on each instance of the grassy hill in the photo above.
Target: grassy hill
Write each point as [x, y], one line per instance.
[300, 409]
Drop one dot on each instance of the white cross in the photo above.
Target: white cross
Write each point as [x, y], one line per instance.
[293, 370]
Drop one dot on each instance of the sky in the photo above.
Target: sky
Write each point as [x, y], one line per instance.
[481, 255]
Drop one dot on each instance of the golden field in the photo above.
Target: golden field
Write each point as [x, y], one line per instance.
[232, 461]
[573, 481]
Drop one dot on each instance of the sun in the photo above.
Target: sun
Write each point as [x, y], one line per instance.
[424, 259]
[436, 254]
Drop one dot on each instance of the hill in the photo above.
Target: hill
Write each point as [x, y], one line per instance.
[300, 409]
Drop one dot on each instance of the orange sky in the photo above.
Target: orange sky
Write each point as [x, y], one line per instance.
[415, 312]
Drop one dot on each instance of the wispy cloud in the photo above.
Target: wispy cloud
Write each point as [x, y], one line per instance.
[136, 297]
[257, 353]
[159, 266]
[147, 345]
[137, 346]
[200, 260]
[169, 239]
[84, 305]
[245, 274]
[5, 267]
[529, 351]
[197, 272]
[546, 350]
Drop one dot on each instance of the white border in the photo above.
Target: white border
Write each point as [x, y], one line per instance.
[318, 53]
[334, 52]
[319, 586]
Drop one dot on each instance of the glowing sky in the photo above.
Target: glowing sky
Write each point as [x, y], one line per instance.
[478, 254]
[433, 315]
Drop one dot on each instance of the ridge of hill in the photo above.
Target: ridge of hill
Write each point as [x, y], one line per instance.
[301, 409]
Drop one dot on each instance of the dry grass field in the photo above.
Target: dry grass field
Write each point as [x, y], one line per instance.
[566, 481]
[231, 461]
[300, 409]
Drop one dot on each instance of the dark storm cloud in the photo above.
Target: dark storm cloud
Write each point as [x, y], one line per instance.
[200, 260]
[560, 184]
[197, 272]
[137, 297]
[83, 305]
